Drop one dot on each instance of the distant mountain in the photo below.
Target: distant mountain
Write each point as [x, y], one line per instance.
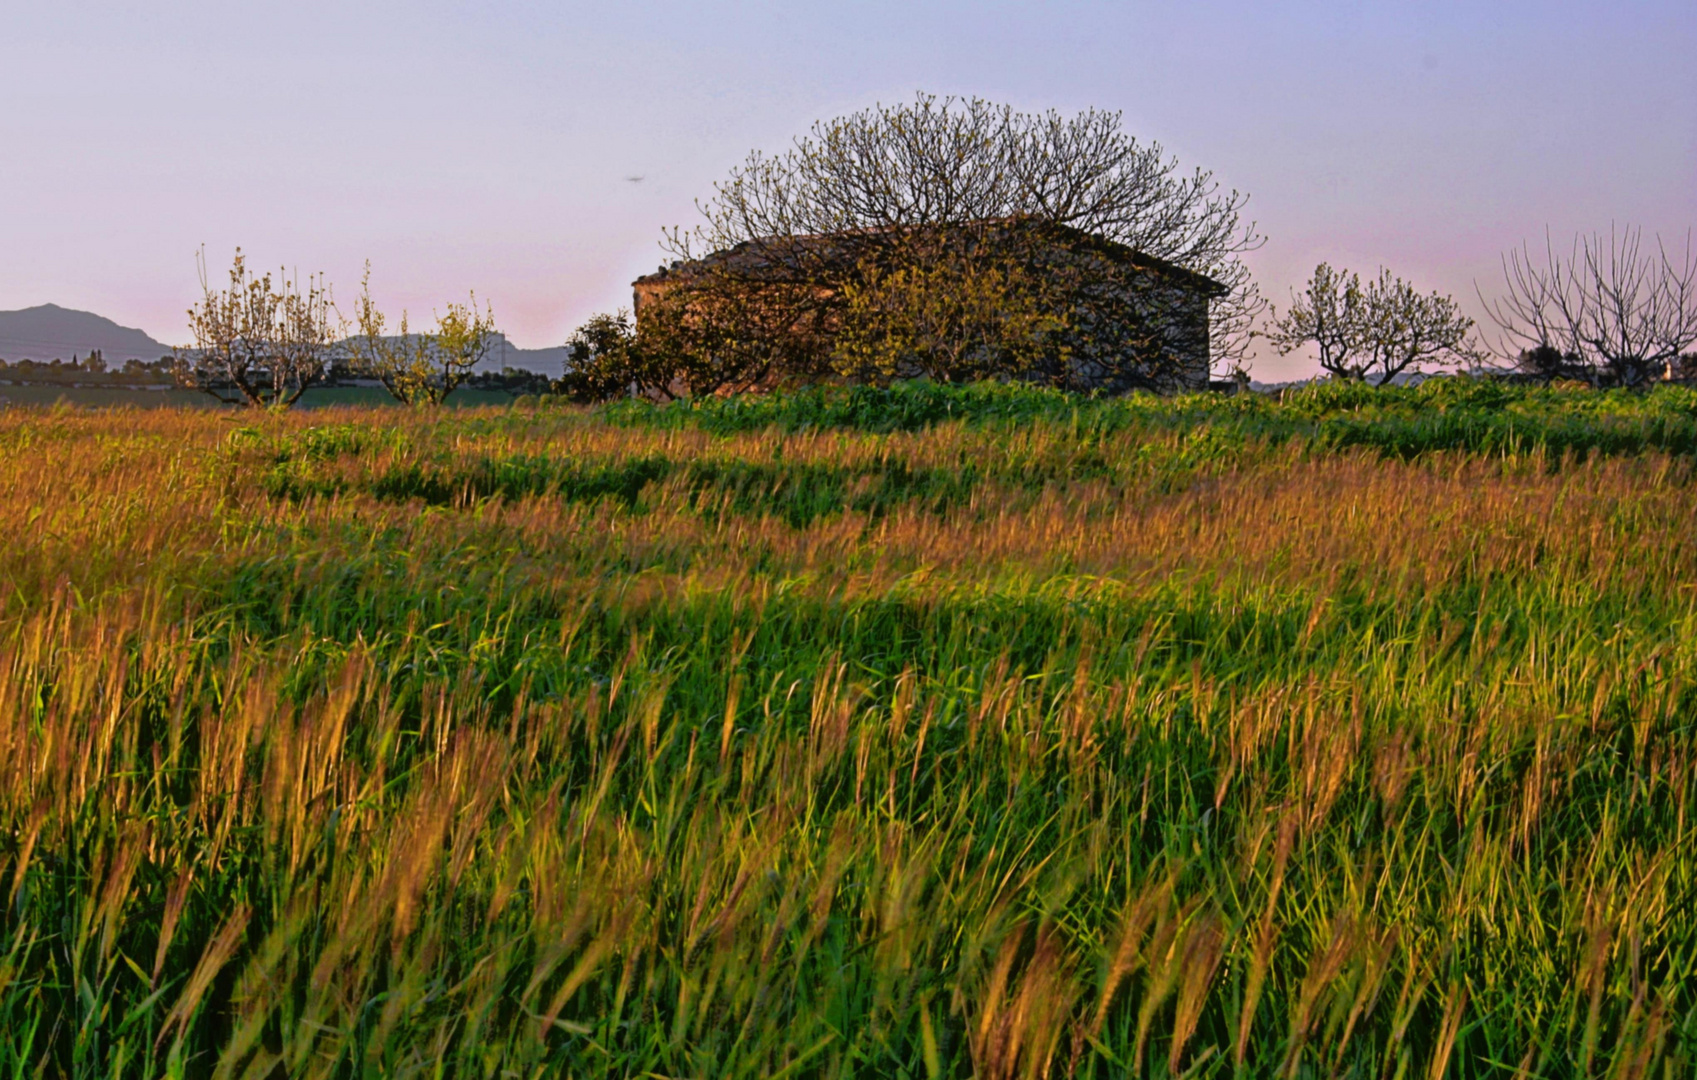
[50, 332]
[550, 362]
[504, 354]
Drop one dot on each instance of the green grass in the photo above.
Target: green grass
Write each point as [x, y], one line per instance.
[924, 732]
[1440, 414]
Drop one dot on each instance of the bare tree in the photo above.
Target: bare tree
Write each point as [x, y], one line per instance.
[422, 368]
[1624, 312]
[871, 180]
[257, 344]
[1374, 332]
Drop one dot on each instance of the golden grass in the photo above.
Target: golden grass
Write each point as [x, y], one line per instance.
[1078, 755]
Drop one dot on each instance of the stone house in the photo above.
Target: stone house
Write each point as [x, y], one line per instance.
[1140, 321]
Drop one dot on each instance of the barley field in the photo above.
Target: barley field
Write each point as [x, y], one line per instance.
[914, 733]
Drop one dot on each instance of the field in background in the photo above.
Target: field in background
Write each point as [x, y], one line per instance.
[153, 398]
[916, 733]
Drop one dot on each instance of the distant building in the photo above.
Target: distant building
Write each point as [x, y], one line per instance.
[1153, 312]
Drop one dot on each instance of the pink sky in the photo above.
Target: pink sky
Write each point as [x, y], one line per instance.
[487, 145]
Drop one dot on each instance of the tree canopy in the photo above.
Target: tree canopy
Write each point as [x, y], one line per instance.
[884, 184]
[1375, 331]
[421, 367]
[257, 343]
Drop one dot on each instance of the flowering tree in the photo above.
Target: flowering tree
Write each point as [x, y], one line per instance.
[257, 343]
[422, 368]
[1374, 332]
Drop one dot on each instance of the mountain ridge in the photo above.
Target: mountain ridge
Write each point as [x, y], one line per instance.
[49, 332]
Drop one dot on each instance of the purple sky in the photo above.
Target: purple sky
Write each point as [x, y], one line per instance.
[486, 145]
